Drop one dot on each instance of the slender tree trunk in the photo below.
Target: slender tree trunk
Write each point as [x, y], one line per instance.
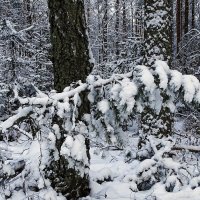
[178, 23]
[28, 14]
[124, 29]
[105, 32]
[88, 14]
[193, 14]
[181, 19]
[186, 22]
[124, 24]
[99, 32]
[132, 18]
[117, 7]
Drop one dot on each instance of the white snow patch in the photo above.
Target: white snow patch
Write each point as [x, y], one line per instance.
[162, 69]
[103, 106]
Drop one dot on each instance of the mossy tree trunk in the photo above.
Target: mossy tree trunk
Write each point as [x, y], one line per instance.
[70, 56]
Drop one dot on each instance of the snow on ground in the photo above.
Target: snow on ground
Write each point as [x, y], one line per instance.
[118, 185]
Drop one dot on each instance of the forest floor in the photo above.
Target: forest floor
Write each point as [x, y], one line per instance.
[117, 174]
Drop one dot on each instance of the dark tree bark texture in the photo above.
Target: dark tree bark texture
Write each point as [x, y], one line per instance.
[178, 23]
[70, 54]
[193, 14]
[186, 24]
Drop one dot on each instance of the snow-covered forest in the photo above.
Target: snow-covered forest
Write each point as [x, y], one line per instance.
[99, 99]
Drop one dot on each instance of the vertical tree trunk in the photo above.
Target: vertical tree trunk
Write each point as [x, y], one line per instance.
[124, 29]
[105, 32]
[178, 23]
[88, 15]
[158, 37]
[186, 22]
[70, 56]
[181, 18]
[28, 14]
[157, 46]
[117, 7]
[132, 18]
[124, 19]
[99, 33]
[193, 14]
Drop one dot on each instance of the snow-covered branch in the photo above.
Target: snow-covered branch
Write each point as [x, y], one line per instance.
[133, 90]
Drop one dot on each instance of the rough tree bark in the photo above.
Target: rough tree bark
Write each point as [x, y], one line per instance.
[157, 34]
[157, 46]
[70, 56]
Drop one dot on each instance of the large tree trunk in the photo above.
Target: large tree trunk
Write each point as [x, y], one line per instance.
[70, 56]
[157, 46]
[158, 36]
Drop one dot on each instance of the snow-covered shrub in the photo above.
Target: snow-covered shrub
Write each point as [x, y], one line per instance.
[52, 138]
[161, 167]
[43, 136]
[116, 100]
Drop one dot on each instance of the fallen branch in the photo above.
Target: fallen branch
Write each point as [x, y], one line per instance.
[195, 149]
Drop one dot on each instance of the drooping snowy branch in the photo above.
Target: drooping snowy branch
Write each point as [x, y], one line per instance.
[132, 91]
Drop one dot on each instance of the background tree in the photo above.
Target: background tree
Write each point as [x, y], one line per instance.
[24, 43]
